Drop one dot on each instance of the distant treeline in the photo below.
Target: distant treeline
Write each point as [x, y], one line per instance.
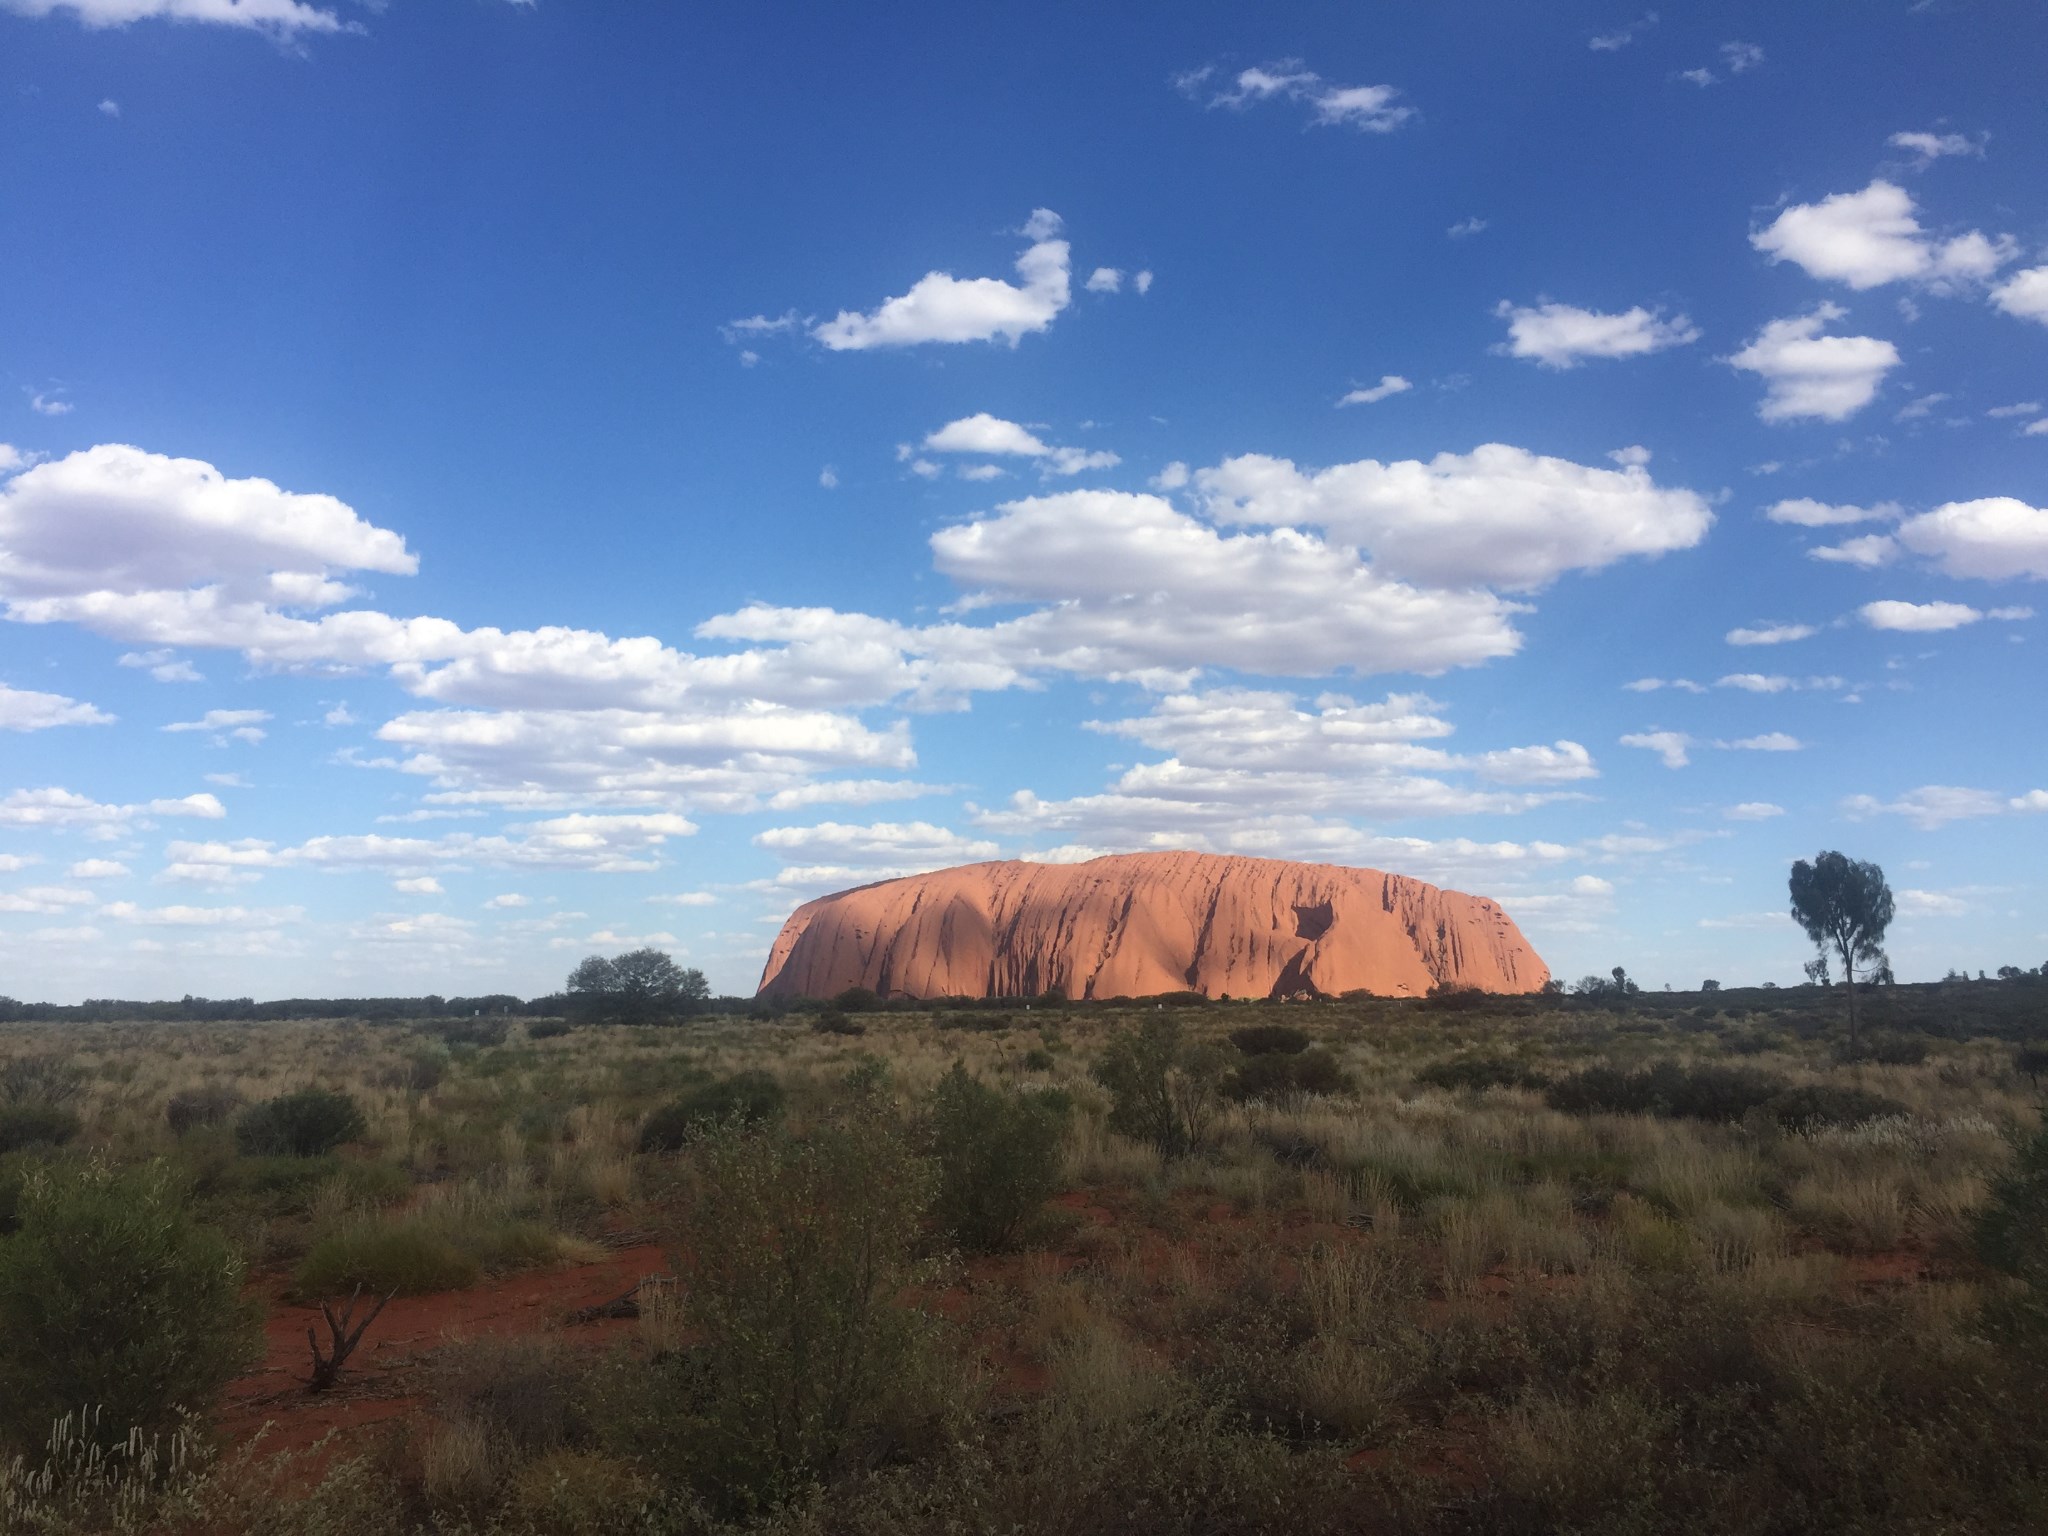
[1926, 1006]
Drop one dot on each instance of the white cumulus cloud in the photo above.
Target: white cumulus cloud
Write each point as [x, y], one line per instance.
[23, 709]
[1562, 336]
[1499, 515]
[1810, 376]
[1804, 512]
[280, 17]
[1673, 748]
[1918, 618]
[1870, 238]
[1930, 147]
[1993, 538]
[2024, 294]
[942, 308]
[992, 436]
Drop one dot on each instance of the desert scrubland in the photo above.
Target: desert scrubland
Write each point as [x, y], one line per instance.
[1459, 1264]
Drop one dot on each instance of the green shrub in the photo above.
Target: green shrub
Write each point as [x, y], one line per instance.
[1162, 1089]
[998, 1155]
[752, 1098]
[421, 1072]
[2031, 1062]
[478, 1032]
[1445, 997]
[547, 1029]
[2012, 1228]
[302, 1124]
[112, 1297]
[46, 1079]
[1890, 1048]
[833, 1022]
[521, 1391]
[1829, 1104]
[290, 1181]
[190, 1108]
[1270, 1040]
[1279, 1077]
[374, 1183]
[405, 1256]
[857, 1000]
[800, 1252]
[1480, 1072]
[1667, 1090]
[35, 1124]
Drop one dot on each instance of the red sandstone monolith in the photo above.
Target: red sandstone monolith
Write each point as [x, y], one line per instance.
[1140, 924]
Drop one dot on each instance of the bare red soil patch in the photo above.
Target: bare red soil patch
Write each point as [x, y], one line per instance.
[382, 1380]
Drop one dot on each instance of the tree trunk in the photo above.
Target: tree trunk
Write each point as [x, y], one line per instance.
[1849, 981]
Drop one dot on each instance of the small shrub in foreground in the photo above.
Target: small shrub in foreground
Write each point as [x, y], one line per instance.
[1666, 1090]
[302, 1124]
[34, 1124]
[1278, 1077]
[1162, 1090]
[751, 1098]
[1889, 1048]
[111, 1297]
[1818, 1104]
[2012, 1228]
[800, 1254]
[2031, 1062]
[998, 1155]
[1270, 1040]
[48, 1079]
[407, 1257]
[1480, 1072]
[190, 1108]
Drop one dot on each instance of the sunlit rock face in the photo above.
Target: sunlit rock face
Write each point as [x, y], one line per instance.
[1139, 924]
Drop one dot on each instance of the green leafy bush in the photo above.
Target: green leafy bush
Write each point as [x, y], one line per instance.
[1890, 1048]
[1829, 1104]
[800, 1252]
[2012, 1228]
[45, 1079]
[112, 1297]
[1270, 1040]
[1667, 1090]
[421, 1072]
[998, 1155]
[547, 1029]
[1162, 1089]
[752, 1098]
[190, 1108]
[406, 1256]
[35, 1124]
[834, 1022]
[1278, 1077]
[857, 1000]
[1480, 1072]
[302, 1124]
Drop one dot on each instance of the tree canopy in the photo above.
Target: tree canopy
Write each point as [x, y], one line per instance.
[642, 986]
[1843, 904]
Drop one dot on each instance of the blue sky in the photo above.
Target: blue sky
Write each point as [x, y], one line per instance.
[489, 482]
